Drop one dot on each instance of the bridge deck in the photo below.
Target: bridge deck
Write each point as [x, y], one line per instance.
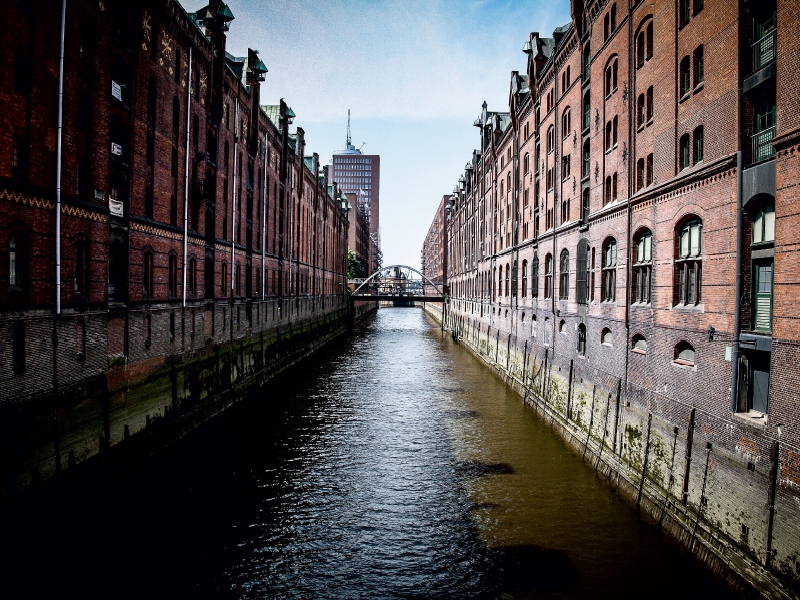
[390, 297]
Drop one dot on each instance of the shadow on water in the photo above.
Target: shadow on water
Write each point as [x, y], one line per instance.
[390, 465]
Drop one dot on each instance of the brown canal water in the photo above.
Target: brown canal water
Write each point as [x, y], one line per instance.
[391, 465]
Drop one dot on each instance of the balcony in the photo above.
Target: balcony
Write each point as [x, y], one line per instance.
[762, 145]
[764, 50]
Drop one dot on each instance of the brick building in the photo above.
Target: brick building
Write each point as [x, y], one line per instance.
[434, 248]
[358, 239]
[629, 222]
[190, 215]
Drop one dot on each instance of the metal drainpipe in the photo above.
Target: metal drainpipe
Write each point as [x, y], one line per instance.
[631, 160]
[59, 155]
[235, 187]
[58, 234]
[186, 176]
[739, 229]
[264, 221]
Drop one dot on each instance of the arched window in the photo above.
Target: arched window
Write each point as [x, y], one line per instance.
[587, 112]
[585, 206]
[641, 180]
[18, 348]
[641, 111]
[566, 123]
[147, 275]
[551, 139]
[688, 262]
[610, 85]
[697, 145]
[685, 155]
[562, 327]
[581, 339]
[649, 40]
[609, 271]
[524, 278]
[526, 163]
[582, 272]
[548, 276]
[684, 354]
[639, 344]
[640, 47]
[643, 267]
[586, 162]
[697, 65]
[508, 279]
[685, 77]
[606, 337]
[535, 278]
[649, 104]
[563, 283]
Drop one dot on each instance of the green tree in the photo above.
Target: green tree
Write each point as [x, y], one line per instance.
[353, 265]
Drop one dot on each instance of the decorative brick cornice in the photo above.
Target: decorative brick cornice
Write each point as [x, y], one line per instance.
[26, 199]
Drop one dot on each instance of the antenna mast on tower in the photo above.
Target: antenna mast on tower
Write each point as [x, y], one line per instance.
[348, 127]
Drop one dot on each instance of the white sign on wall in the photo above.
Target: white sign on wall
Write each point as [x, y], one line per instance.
[116, 207]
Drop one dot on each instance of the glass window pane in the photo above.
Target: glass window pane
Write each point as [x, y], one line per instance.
[685, 242]
[758, 228]
[694, 232]
[648, 247]
[769, 225]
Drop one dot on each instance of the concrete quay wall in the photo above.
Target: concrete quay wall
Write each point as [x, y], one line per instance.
[677, 472]
[133, 409]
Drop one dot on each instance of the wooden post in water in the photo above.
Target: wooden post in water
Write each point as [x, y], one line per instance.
[569, 391]
[687, 468]
[646, 456]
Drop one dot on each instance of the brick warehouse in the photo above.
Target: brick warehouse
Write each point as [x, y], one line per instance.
[434, 249]
[194, 229]
[622, 248]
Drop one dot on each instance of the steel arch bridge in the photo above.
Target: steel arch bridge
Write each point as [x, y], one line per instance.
[397, 282]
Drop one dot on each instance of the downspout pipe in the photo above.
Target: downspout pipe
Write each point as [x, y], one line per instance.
[186, 177]
[235, 188]
[264, 221]
[737, 312]
[59, 154]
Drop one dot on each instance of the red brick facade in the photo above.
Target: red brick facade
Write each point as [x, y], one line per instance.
[190, 215]
[596, 231]
[434, 248]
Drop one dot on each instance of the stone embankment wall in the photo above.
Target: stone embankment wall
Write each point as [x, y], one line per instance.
[134, 409]
[695, 490]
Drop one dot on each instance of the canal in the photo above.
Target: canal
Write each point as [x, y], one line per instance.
[391, 465]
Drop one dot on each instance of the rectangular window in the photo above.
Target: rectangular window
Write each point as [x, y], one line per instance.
[762, 285]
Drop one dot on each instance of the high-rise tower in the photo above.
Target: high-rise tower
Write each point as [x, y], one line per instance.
[360, 174]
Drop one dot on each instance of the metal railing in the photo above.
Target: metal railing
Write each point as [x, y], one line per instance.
[762, 144]
[764, 50]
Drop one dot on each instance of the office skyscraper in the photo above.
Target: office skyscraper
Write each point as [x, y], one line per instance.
[360, 174]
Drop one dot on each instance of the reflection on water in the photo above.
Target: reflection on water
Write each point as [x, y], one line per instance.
[394, 466]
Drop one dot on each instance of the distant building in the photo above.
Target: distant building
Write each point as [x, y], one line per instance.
[360, 174]
[358, 233]
[434, 248]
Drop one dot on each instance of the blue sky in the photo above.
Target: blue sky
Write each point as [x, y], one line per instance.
[414, 75]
